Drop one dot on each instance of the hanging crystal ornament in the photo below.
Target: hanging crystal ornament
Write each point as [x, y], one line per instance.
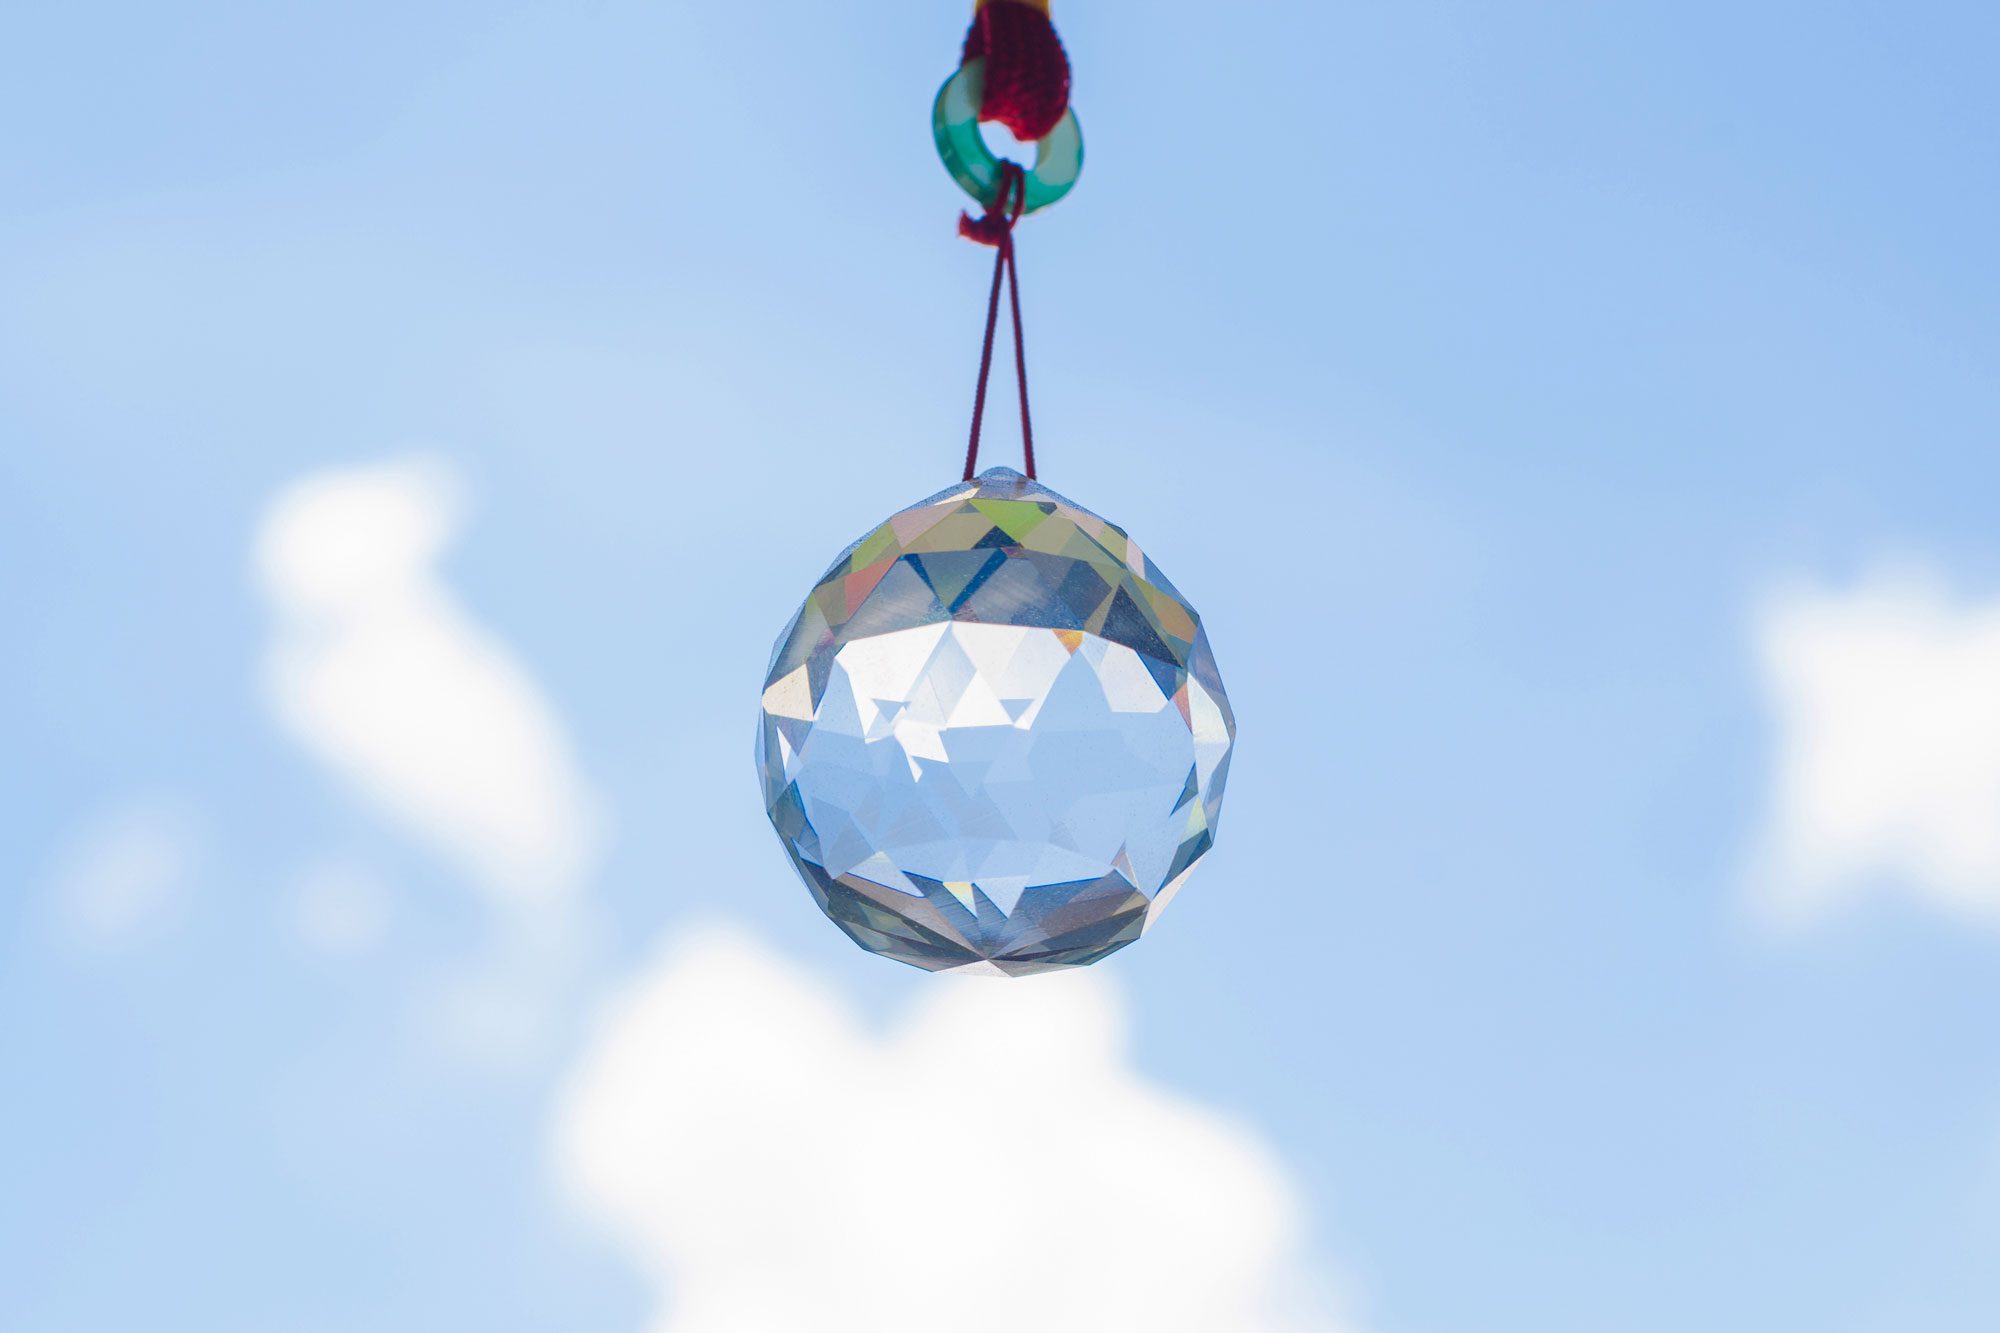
[994, 737]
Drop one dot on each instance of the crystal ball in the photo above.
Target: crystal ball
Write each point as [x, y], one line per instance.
[994, 738]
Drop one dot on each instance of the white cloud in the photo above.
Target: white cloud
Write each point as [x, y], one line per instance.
[992, 1163]
[125, 870]
[1887, 698]
[377, 670]
[380, 673]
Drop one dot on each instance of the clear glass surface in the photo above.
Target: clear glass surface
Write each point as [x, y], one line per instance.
[994, 737]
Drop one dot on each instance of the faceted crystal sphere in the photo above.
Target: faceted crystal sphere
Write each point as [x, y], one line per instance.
[994, 738]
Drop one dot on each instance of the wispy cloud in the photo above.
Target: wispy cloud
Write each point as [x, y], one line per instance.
[125, 870]
[377, 670]
[340, 909]
[1887, 701]
[993, 1162]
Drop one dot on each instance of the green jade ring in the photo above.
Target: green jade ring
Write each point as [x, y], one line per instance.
[955, 125]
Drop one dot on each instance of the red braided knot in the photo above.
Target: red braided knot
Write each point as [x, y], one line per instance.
[1027, 72]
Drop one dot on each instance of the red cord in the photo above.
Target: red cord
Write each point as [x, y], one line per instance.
[1027, 90]
[997, 230]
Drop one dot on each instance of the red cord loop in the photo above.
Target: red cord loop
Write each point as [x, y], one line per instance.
[996, 229]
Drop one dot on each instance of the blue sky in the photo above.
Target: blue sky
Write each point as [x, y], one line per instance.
[1515, 390]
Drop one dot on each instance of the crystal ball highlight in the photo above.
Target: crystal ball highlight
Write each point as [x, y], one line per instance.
[993, 738]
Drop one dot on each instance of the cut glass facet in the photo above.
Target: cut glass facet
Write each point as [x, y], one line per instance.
[994, 738]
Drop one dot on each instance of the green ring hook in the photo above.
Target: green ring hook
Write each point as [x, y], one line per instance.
[955, 126]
